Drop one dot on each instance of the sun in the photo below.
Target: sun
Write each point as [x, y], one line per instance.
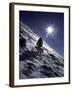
[49, 30]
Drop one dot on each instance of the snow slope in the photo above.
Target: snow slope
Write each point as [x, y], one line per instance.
[32, 64]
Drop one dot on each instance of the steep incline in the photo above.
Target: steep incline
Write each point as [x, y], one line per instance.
[32, 64]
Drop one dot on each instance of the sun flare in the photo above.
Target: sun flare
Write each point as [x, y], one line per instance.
[49, 30]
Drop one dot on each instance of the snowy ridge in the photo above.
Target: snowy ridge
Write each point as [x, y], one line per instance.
[32, 64]
[36, 37]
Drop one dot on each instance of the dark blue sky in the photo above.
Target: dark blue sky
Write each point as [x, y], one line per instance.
[38, 21]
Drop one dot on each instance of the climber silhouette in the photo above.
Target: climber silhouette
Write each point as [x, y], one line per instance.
[40, 42]
[39, 46]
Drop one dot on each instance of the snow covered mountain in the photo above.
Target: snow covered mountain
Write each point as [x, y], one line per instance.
[32, 64]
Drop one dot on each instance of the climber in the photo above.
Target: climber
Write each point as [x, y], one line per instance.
[40, 42]
[39, 45]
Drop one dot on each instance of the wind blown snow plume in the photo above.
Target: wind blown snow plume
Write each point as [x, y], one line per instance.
[32, 64]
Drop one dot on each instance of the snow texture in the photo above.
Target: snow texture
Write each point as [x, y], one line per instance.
[32, 63]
